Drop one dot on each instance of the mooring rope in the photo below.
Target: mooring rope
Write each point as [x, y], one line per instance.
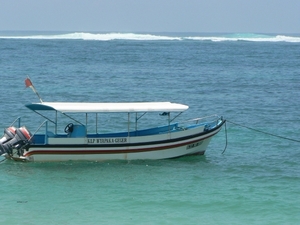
[256, 130]
[260, 131]
[226, 138]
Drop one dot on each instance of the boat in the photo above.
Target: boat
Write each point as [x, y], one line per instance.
[80, 142]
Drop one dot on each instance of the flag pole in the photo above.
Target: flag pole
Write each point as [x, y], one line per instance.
[28, 83]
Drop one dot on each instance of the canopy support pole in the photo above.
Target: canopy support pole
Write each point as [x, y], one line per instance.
[128, 124]
[96, 123]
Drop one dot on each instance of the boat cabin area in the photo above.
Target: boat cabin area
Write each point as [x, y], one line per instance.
[78, 130]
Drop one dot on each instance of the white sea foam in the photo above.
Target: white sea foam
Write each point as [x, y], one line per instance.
[152, 37]
[99, 37]
[278, 38]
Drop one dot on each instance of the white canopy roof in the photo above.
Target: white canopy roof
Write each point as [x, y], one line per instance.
[84, 107]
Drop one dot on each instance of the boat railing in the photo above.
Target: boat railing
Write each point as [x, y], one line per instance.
[46, 131]
[34, 136]
[19, 122]
[212, 119]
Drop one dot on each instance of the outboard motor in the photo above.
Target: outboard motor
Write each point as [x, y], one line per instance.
[21, 138]
[9, 133]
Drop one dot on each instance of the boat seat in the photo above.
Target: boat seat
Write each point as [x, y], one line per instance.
[78, 131]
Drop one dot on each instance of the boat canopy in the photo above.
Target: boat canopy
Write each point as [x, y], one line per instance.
[84, 107]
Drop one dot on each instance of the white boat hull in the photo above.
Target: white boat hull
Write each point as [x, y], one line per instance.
[165, 146]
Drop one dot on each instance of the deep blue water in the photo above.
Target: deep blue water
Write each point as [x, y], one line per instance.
[251, 80]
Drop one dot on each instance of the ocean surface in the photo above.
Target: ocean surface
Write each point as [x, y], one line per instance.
[252, 80]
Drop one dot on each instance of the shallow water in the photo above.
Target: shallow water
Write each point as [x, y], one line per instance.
[255, 84]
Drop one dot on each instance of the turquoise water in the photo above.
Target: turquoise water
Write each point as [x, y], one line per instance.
[252, 80]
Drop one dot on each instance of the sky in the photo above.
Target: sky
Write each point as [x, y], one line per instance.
[224, 16]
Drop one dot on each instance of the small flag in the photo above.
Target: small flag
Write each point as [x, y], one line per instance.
[28, 83]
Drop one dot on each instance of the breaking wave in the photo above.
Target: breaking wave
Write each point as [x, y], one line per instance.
[155, 37]
[248, 37]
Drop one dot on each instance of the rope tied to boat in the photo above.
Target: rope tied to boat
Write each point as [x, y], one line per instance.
[226, 138]
[256, 130]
